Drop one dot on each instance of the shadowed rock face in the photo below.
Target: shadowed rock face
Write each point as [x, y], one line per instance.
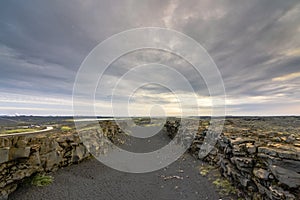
[259, 155]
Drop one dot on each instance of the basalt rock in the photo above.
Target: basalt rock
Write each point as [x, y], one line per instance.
[21, 157]
[285, 176]
[264, 164]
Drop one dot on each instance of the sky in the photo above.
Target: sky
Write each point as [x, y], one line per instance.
[255, 45]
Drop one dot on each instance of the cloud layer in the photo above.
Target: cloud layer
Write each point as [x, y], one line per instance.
[255, 44]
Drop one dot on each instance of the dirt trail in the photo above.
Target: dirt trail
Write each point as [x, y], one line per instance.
[93, 180]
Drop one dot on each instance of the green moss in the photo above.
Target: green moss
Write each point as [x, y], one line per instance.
[41, 180]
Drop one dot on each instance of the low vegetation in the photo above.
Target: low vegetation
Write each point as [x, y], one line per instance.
[225, 187]
[205, 169]
[41, 180]
[65, 128]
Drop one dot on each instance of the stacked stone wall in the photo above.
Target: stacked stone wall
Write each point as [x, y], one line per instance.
[260, 168]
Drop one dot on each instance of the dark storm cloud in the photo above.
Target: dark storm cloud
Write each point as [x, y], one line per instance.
[42, 44]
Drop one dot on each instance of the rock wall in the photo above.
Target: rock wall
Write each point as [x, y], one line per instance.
[23, 156]
[260, 168]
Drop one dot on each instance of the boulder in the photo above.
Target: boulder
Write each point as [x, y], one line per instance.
[251, 148]
[240, 140]
[78, 153]
[16, 153]
[50, 160]
[5, 142]
[285, 176]
[22, 173]
[22, 142]
[261, 173]
[281, 153]
[239, 150]
[4, 154]
[34, 159]
[292, 165]
[242, 162]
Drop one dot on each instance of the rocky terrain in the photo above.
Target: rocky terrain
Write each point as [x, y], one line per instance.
[92, 179]
[24, 156]
[260, 155]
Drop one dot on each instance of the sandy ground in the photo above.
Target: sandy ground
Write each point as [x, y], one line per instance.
[93, 180]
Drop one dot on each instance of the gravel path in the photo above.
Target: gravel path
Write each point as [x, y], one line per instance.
[93, 180]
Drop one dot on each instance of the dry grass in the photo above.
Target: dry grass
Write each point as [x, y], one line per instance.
[226, 188]
[205, 169]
